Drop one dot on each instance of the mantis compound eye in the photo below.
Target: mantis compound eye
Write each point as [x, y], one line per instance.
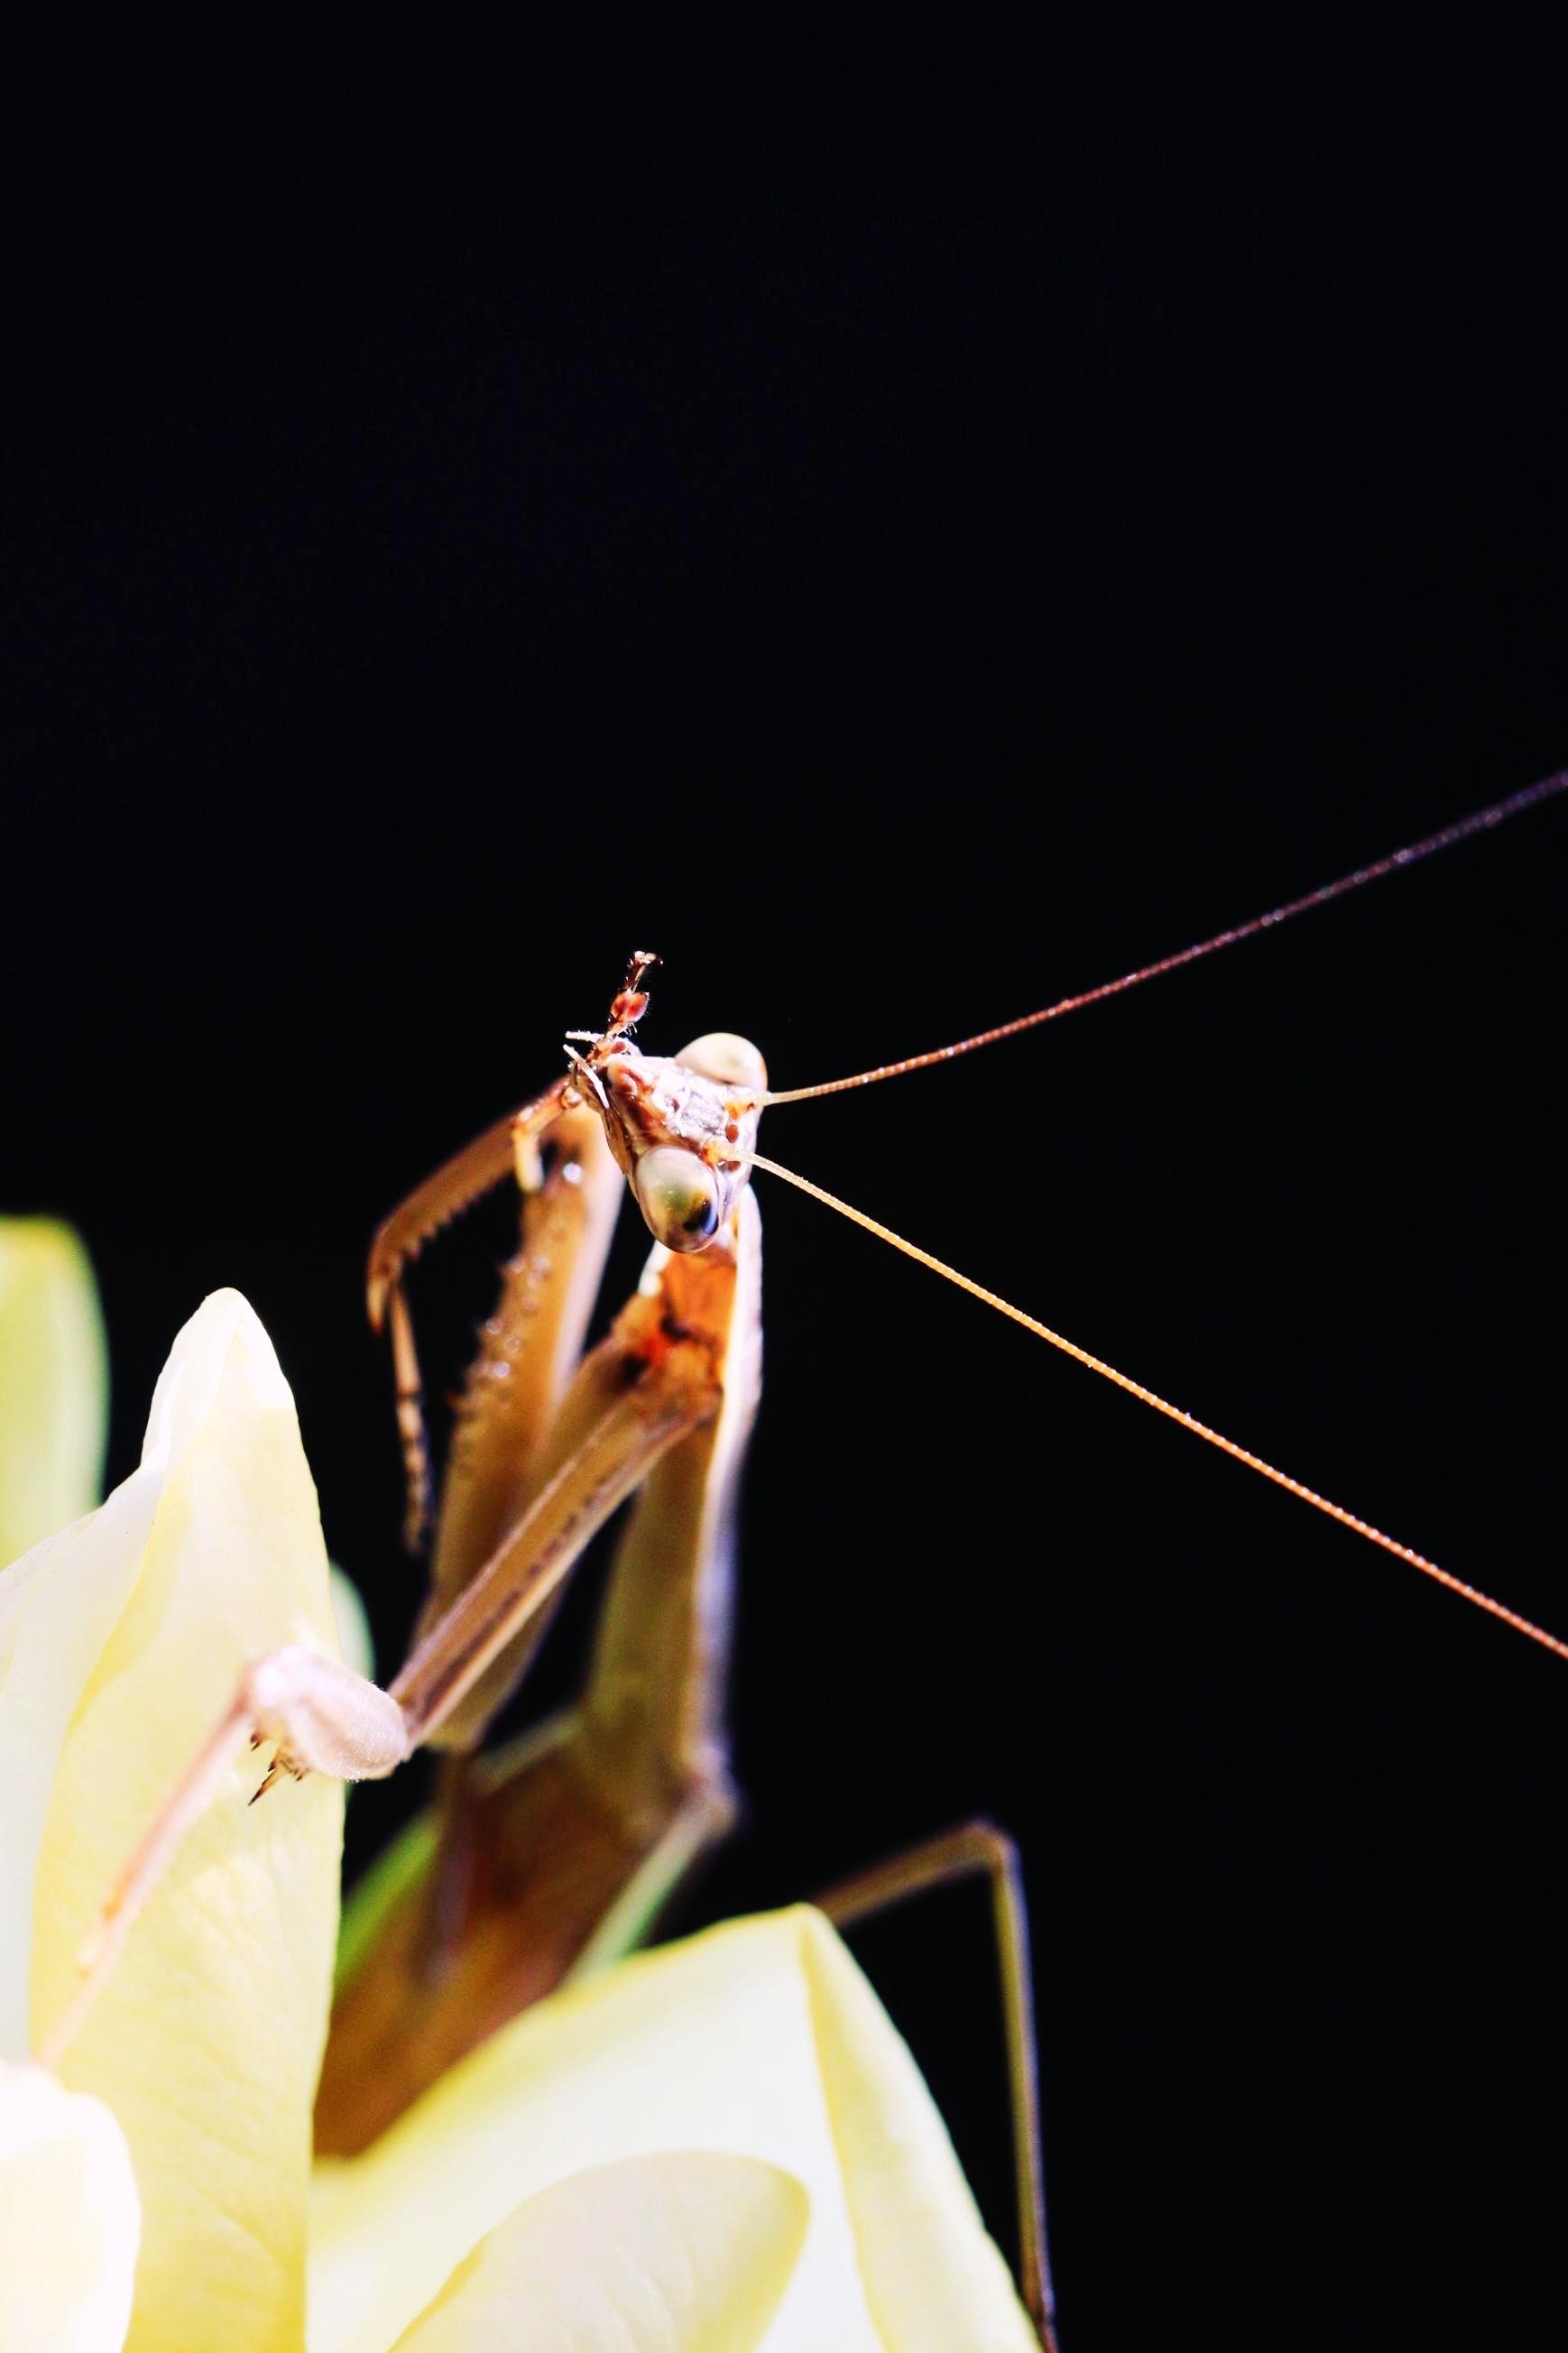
[678, 1194]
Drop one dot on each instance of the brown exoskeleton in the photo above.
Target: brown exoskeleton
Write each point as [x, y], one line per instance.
[560, 1852]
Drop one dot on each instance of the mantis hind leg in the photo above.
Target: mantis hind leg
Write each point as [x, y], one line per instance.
[972, 1849]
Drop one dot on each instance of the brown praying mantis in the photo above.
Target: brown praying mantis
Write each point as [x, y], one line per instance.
[558, 1853]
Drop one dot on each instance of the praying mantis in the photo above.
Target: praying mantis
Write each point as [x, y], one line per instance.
[560, 1853]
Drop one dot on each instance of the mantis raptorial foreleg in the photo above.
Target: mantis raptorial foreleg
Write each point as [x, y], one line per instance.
[499, 1454]
[454, 1186]
[508, 1438]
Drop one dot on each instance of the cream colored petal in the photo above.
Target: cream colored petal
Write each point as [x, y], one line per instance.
[68, 2219]
[679, 2253]
[735, 2040]
[120, 1644]
[54, 1382]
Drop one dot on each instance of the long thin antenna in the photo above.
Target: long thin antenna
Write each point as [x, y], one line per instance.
[1444, 839]
[1305, 1494]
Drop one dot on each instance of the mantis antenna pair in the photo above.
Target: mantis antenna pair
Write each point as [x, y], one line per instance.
[557, 1853]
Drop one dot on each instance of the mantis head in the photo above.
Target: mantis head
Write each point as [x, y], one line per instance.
[682, 1128]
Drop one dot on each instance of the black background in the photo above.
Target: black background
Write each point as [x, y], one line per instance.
[906, 521]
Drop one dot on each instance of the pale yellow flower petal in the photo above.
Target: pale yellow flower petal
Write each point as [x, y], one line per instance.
[121, 1643]
[54, 1382]
[68, 2219]
[748, 2040]
[681, 2253]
